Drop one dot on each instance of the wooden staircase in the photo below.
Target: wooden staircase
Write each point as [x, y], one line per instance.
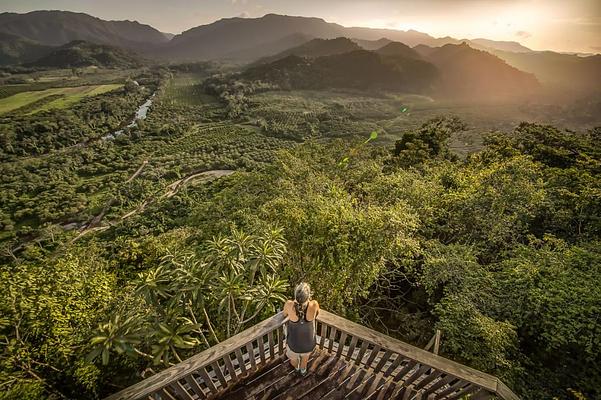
[350, 362]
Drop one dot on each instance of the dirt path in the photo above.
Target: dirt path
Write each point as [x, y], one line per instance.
[169, 191]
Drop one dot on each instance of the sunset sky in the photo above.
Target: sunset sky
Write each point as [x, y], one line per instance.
[561, 25]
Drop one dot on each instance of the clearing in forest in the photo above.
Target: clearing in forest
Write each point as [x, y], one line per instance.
[65, 97]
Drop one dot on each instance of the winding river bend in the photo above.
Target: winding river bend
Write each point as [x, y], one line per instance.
[140, 114]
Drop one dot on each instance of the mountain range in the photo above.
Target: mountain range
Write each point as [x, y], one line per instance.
[80, 53]
[450, 70]
[56, 28]
[25, 38]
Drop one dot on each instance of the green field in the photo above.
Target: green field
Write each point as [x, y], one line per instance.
[185, 89]
[69, 96]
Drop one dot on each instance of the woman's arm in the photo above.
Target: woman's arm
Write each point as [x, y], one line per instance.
[286, 309]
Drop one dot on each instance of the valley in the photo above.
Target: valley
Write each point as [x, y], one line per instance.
[160, 193]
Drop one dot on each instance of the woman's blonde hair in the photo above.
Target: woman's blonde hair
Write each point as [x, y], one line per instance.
[302, 292]
[302, 295]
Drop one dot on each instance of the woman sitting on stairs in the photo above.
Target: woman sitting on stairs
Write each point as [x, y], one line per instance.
[301, 313]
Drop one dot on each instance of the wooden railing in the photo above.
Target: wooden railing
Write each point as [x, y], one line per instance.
[415, 373]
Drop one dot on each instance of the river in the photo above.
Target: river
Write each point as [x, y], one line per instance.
[140, 114]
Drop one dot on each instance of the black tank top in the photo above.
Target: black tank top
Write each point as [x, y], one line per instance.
[301, 335]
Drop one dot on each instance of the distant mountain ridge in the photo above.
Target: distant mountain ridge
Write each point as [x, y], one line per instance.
[17, 50]
[230, 35]
[451, 70]
[27, 37]
[564, 71]
[80, 53]
[56, 28]
[316, 48]
[465, 71]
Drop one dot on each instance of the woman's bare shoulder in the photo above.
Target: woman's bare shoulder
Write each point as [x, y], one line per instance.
[313, 309]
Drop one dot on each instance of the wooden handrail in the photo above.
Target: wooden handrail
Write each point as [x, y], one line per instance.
[179, 371]
[210, 372]
[486, 381]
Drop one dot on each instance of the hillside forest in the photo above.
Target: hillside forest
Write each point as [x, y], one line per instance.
[149, 209]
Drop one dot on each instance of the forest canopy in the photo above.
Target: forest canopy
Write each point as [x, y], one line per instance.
[500, 251]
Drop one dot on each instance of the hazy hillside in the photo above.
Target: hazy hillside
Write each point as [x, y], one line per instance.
[56, 28]
[268, 48]
[232, 35]
[316, 48]
[16, 50]
[227, 37]
[566, 71]
[359, 69]
[418, 73]
[81, 54]
[465, 71]
[372, 44]
[396, 49]
[487, 44]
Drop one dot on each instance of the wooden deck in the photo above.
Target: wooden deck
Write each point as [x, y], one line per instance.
[350, 362]
[328, 378]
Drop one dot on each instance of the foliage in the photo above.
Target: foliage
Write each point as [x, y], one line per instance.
[118, 256]
[238, 276]
[48, 311]
[430, 141]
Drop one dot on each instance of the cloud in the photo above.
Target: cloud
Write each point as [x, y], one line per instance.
[523, 34]
[243, 15]
[596, 48]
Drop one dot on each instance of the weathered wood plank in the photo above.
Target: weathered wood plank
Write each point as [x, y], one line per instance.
[413, 377]
[165, 395]
[469, 389]
[261, 344]
[362, 351]
[451, 389]
[331, 338]
[397, 361]
[351, 348]
[207, 380]
[322, 334]
[438, 384]
[219, 373]
[280, 340]
[241, 363]
[191, 381]
[383, 360]
[251, 355]
[182, 393]
[271, 344]
[372, 356]
[429, 379]
[230, 367]
[179, 371]
[461, 371]
[482, 394]
[341, 344]
[426, 374]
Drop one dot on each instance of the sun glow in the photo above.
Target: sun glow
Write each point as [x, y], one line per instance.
[513, 21]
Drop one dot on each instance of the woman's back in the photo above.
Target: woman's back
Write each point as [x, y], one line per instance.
[301, 326]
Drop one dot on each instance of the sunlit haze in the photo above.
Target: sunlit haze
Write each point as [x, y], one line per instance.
[559, 25]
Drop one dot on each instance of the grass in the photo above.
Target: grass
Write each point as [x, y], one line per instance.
[185, 89]
[69, 96]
